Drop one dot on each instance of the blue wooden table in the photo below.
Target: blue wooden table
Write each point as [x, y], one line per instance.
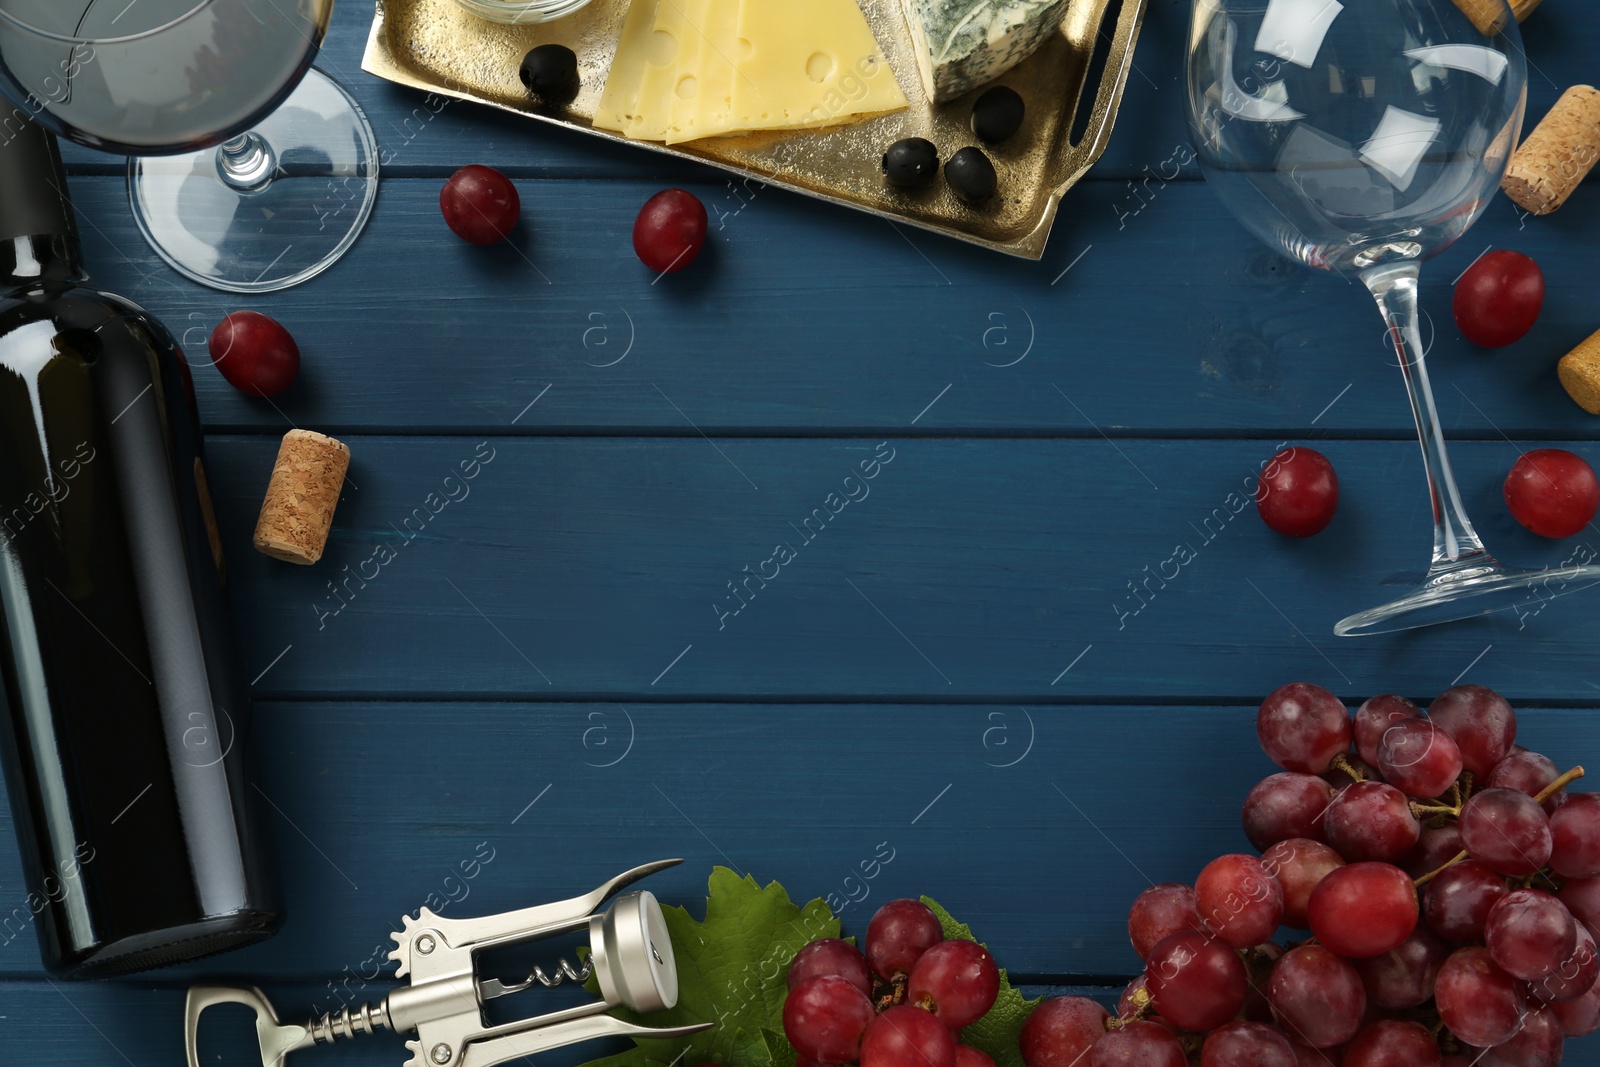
[957, 669]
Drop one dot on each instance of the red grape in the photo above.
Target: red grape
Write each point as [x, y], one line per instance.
[1298, 492]
[1529, 933]
[1419, 758]
[1302, 727]
[1307, 1056]
[1127, 1003]
[1246, 1044]
[1506, 831]
[899, 932]
[480, 204]
[1371, 821]
[830, 955]
[1576, 975]
[907, 1036]
[1538, 1044]
[967, 1056]
[255, 354]
[1498, 299]
[1364, 909]
[1159, 911]
[1060, 1032]
[1575, 837]
[1527, 772]
[1480, 720]
[1392, 1043]
[1437, 846]
[1477, 1000]
[1582, 898]
[956, 980]
[1195, 982]
[824, 1018]
[1238, 900]
[1579, 1016]
[1317, 996]
[1299, 864]
[1138, 1044]
[1375, 716]
[670, 231]
[1285, 805]
[1552, 492]
[1457, 902]
[1403, 977]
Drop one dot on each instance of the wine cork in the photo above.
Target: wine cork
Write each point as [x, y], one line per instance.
[298, 511]
[1489, 15]
[1558, 154]
[1579, 371]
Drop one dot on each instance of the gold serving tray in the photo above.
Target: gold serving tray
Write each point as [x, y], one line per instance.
[438, 46]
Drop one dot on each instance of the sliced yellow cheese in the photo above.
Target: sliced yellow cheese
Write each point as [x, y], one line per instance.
[710, 105]
[686, 69]
[684, 96]
[674, 51]
[807, 64]
[619, 100]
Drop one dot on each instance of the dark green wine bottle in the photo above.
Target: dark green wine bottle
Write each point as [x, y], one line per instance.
[122, 717]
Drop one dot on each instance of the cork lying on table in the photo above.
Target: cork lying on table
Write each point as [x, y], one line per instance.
[1558, 154]
[1489, 15]
[298, 511]
[1579, 371]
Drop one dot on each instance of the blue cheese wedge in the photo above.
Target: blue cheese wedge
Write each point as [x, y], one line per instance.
[962, 44]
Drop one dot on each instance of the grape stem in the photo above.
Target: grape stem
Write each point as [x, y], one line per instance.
[1420, 809]
[1141, 1007]
[1339, 763]
[1548, 791]
[1431, 875]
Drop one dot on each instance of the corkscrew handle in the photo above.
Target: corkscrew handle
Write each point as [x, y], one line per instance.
[277, 1040]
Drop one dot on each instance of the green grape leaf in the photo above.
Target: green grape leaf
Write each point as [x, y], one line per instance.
[732, 970]
[998, 1032]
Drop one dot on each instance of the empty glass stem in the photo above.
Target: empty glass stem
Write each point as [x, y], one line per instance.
[1457, 551]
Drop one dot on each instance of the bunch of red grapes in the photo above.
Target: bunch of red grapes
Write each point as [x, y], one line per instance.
[1450, 883]
[901, 1004]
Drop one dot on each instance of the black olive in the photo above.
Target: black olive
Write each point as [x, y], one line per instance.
[971, 175]
[997, 115]
[550, 72]
[911, 163]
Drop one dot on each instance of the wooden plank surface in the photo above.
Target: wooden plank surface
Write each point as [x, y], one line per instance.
[807, 319]
[586, 567]
[973, 609]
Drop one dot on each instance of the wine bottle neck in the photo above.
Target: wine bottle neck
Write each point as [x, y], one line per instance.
[38, 234]
[40, 257]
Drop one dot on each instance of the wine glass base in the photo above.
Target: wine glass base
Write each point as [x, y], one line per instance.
[1465, 595]
[311, 202]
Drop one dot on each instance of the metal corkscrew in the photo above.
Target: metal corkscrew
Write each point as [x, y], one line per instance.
[630, 955]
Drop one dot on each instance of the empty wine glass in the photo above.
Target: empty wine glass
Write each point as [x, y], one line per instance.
[1363, 141]
[294, 171]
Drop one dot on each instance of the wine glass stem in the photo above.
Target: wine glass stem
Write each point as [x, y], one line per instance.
[247, 162]
[1455, 543]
